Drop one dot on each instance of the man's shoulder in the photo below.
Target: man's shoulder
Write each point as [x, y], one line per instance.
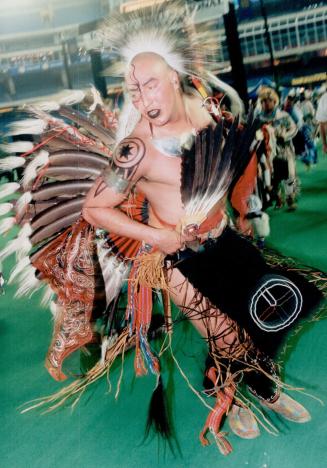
[132, 150]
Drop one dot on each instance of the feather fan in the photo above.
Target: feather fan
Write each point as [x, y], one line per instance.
[216, 159]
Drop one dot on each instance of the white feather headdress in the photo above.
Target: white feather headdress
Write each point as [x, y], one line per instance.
[168, 30]
[165, 29]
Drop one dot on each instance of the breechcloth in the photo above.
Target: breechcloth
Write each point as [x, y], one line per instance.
[231, 272]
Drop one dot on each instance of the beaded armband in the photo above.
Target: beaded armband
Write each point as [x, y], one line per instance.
[114, 180]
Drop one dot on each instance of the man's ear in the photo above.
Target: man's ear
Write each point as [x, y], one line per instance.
[174, 78]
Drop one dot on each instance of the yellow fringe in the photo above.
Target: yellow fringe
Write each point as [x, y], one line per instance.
[150, 270]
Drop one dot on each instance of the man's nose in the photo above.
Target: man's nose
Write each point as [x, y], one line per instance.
[146, 100]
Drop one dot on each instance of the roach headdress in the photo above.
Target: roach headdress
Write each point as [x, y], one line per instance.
[169, 32]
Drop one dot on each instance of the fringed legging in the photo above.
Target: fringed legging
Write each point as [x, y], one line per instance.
[231, 349]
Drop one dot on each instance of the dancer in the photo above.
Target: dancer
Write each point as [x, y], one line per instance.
[159, 201]
[154, 157]
[284, 169]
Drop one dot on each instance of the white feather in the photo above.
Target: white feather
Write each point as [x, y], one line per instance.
[204, 203]
[27, 126]
[8, 250]
[8, 189]
[6, 224]
[21, 245]
[34, 166]
[153, 41]
[28, 283]
[97, 100]
[17, 270]
[55, 310]
[11, 162]
[48, 106]
[114, 272]
[5, 208]
[24, 247]
[17, 147]
[22, 203]
[25, 231]
[47, 297]
[72, 97]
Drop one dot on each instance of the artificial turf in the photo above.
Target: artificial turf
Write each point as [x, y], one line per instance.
[104, 432]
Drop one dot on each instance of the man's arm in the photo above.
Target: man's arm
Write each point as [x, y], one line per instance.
[101, 204]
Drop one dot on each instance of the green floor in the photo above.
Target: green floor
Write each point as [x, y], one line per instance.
[102, 432]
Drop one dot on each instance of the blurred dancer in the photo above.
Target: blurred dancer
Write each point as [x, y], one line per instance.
[310, 154]
[284, 180]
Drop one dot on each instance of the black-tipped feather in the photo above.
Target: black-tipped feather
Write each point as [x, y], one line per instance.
[217, 149]
[57, 226]
[104, 134]
[57, 211]
[243, 153]
[76, 158]
[187, 177]
[216, 161]
[69, 188]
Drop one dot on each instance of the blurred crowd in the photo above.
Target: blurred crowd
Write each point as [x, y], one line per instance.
[289, 130]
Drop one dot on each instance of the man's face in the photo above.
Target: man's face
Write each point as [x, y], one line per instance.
[268, 104]
[153, 88]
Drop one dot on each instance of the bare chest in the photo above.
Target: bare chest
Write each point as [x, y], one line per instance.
[164, 170]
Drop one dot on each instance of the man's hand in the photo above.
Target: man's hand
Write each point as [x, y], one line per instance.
[169, 241]
[324, 147]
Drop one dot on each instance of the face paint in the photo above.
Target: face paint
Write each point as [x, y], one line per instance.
[153, 88]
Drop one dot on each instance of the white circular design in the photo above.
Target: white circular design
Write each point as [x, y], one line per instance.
[279, 299]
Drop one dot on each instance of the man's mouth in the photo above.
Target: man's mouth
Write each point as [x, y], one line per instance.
[153, 114]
